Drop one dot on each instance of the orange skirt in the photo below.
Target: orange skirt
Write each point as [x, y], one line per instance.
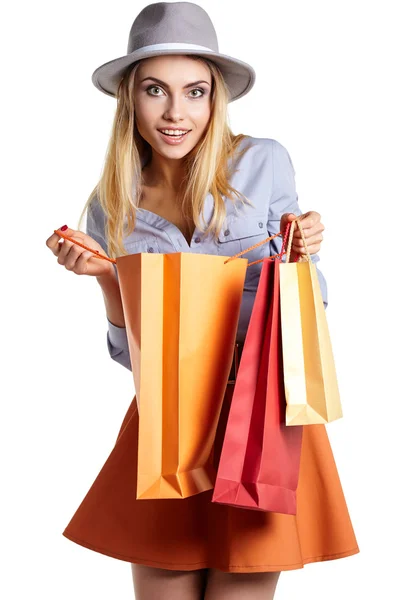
[194, 533]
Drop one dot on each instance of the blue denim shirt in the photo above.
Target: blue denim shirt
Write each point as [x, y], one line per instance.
[266, 176]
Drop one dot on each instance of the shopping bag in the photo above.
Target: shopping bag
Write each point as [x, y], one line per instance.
[181, 314]
[260, 457]
[311, 387]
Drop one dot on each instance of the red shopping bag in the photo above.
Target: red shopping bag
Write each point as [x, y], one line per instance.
[260, 458]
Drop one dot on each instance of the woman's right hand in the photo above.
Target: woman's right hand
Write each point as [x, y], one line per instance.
[77, 259]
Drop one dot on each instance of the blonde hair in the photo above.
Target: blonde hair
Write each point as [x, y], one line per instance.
[119, 189]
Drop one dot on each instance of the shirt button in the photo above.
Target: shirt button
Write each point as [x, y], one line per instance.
[261, 224]
[197, 240]
[151, 249]
[227, 232]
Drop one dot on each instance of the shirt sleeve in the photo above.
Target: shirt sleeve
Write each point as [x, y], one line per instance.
[284, 199]
[117, 344]
[116, 337]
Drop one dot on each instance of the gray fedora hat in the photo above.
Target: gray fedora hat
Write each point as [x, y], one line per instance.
[174, 28]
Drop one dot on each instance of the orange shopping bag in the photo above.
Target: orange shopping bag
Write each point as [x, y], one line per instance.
[181, 314]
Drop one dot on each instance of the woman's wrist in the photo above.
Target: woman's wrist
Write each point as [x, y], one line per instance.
[112, 297]
[107, 278]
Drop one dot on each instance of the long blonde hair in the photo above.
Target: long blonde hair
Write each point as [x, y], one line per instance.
[119, 189]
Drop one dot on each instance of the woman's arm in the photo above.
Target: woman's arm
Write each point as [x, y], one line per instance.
[112, 297]
[117, 341]
[284, 199]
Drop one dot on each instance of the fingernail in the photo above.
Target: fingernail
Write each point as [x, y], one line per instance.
[64, 227]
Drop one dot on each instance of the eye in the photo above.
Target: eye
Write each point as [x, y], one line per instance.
[156, 87]
[197, 90]
[153, 87]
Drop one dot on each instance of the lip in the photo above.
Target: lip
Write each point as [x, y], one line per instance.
[175, 128]
[173, 141]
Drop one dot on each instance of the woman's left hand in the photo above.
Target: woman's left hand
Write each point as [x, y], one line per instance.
[313, 228]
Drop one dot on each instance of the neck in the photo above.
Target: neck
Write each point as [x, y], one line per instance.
[161, 172]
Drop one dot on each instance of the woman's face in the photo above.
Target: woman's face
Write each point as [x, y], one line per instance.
[172, 92]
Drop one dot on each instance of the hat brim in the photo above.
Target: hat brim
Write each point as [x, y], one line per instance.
[239, 76]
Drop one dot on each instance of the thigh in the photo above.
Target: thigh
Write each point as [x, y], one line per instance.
[240, 586]
[151, 582]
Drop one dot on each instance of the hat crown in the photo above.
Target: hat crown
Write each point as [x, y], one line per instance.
[172, 22]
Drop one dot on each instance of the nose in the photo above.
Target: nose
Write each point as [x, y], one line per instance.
[174, 108]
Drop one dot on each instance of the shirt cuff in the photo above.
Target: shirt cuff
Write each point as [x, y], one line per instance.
[118, 336]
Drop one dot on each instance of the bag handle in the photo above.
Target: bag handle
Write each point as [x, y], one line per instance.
[96, 252]
[289, 225]
[292, 228]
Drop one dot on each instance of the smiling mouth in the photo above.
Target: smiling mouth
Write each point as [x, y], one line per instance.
[175, 135]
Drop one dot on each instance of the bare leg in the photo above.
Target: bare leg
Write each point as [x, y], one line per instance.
[241, 586]
[151, 583]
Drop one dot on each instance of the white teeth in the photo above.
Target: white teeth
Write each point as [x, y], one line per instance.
[172, 132]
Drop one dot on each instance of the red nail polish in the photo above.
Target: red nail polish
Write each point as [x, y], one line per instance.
[64, 227]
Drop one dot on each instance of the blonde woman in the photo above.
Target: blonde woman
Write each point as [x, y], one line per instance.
[176, 179]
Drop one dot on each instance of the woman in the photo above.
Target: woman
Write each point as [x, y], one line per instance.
[181, 181]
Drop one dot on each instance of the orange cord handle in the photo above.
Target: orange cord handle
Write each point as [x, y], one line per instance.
[291, 225]
[96, 252]
[256, 246]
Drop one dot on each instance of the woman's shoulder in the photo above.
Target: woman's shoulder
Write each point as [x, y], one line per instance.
[266, 157]
[261, 149]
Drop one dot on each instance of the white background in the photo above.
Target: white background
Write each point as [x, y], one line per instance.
[327, 89]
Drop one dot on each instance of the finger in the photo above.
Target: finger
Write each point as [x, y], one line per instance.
[309, 233]
[313, 239]
[313, 249]
[58, 248]
[64, 246]
[53, 243]
[65, 249]
[310, 247]
[310, 219]
[81, 263]
[303, 220]
[306, 225]
[72, 256]
[285, 219]
[288, 217]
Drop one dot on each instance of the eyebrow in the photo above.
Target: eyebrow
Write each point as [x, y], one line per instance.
[167, 86]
